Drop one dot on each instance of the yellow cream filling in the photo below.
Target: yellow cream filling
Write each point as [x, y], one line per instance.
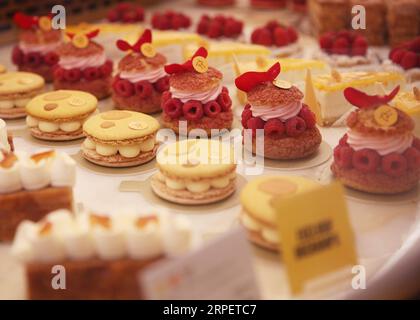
[128, 151]
[268, 234]
[18, 103]
[49, 127]
[197, 186]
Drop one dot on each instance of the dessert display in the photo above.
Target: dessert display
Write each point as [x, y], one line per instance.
[36, 50]
[327, 100]
[59, 115]
[219, 26]
[195, 172]
[16, 90]
[196, 96]
[275, 107]
[83, 66]
[31, 186]
[102, 255]
[282, 40]
[346, 50]
[126, 12]
[120, 138]
[141, 79]
[405, 58]
[328, 15]
[409, 102]
[403, 20]
[170, 20]
[379, 154]
[258, 216]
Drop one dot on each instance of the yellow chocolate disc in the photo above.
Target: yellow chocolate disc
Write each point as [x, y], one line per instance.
[282, 84]
[148, 50]
[44, 23]
[386, 116]
[80, 41]
[200, 64]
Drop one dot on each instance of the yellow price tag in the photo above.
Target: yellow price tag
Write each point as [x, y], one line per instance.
[148, 50]
[200, 64]
[386, 116]
[80, 41]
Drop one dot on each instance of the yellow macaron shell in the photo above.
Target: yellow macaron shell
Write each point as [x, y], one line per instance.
[15, 82]
[120, 125]
[196, 158]
[257, 195]
[62, 105]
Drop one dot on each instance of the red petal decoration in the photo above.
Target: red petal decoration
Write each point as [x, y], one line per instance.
[123, 45]
[250, 80]
[187, 65]
[24, 21]
[364, 101]
[92, 34]
[146, 37]
[70, 35]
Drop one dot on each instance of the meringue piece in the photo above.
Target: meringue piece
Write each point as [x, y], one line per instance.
[109, 243]
[147, 145]
[144, 244]
[31, 122]
[270, 235]
[105, 150]
[21, 103]
[70, 126]
[177, 235]
[34, 175]
[63, 171]
[6, 104]
[129, 151]
[61, 219]
[89, 144]
[175, 184]
[21, 247]
[198, 186]
[45, 126]
[10, 179]
[47, 247]
[220, 183]
[78, 243]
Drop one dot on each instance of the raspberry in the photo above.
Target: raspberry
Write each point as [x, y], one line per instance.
[352, 119]
[238, 26]
[247, 106]
[397, 55]
[225, 90]
[202, 26]
[162, 84]
[230, 29]
[326, 42]
[343, 141]
[124, 88]
[295, 126]
[156, 20]
[281, 37]
[343, 156]
[416, 143]
[161, 22]
[212, 109]
[140, 13]
[32, 58]
[409, 60]
[345, 34]
[224, 100]
[271, 25]
[143, 89]
[415, 45]
[246, 115]
[165, 97]
[394, 164]
[173, 108]
[265, 38]
[359, 47]
[113, 16]
[58, 73]
[72, 75]
[91, 73]
[366, 160]
[413, 158]
[17, 56]
[123, 6]
[129, 16]
[186, 21]
[341, 46]
[177, 22]
[215, 29]
[308, 116]
[255, 35]
[293, 36]
[106, 68]
[193, 110]
[274, 128]
[220, 18]
[254, 124]
[51, 58]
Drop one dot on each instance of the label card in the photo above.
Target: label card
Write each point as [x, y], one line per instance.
[316, 236]
[222, 269]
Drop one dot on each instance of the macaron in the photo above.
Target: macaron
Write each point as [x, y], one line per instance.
[120, 138]
[258, 216]
[59, 115]
[195, 171]
[16, 90]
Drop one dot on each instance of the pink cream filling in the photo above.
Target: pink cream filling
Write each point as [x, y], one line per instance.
[72, 62]
[40, 48]
[204, 97]
[151, 76]
[282, 112]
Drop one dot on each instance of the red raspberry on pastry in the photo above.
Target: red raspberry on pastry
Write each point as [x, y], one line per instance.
[215, 29]
[246, 115]
[394, 164]
[51, 58]
[143, 89]
[359, 46]
[343, 156]
[162, 84]
[32, 58]
[91, 73]
[166, 96]
[308, 116]
[281, 37]
[212, 109]
[224, 101]
[72, 75]
[255, 124]
[59, 73]
[295, 126]
[173, 108]
[366, 160]
[193, 110]
[416, 143]
[412, 156]
[343, 141]
[341, 46]
[409, 60]
[274, 128]
[17, 56]
[124, 88]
